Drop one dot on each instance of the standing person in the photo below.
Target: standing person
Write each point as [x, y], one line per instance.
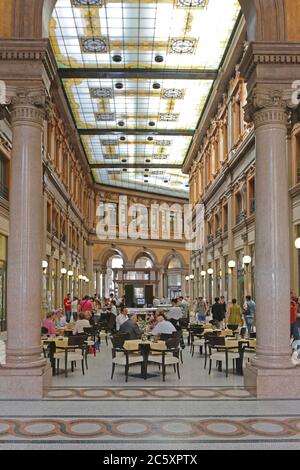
[218, 313]
[202, 309]
[249, 313]
[74, 308]
[224, 306]
[235, 314]
[114, 309]
[86, 304]
[68, 307]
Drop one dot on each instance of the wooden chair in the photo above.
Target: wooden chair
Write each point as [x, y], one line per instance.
[167, 357]
[122, 357]
[73, 352]
[220, 353]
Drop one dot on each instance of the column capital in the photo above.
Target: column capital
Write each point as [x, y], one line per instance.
[29, 104]
[268, 106]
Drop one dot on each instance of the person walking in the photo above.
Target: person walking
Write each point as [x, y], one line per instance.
[249, 313]
[235, 314]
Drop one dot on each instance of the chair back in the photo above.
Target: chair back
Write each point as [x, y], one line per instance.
[216, 341]
[173, 343]
[119, 339]
[233, 327]
[166, 336]
[253, 335]
[76, 341]
[111, 321]
[243, 331]
[183, 322]
[44, 330]
[91, 331]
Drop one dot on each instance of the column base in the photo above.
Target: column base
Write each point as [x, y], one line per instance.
[25, 383]
[273, 383]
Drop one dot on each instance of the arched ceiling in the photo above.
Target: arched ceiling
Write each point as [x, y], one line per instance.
[137, 74]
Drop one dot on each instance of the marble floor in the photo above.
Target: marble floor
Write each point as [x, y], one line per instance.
[196, 412]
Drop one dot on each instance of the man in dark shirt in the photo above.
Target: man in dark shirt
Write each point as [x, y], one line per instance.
[130, 327]
[218, 313]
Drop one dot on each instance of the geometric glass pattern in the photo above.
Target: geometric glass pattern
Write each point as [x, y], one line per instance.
[173, 94]
[192, 3]
[182, 46]
[131, 112]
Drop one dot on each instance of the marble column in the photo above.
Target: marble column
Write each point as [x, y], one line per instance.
[271, 371]
[103, 272]
[90, 268]
[25, 373]
[97, 281]
[161, 283]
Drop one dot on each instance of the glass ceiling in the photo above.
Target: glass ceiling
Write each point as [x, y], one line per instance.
[122, 40]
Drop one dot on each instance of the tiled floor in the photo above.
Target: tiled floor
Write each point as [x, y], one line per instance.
[197, 412]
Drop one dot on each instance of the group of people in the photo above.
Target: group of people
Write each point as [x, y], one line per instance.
[223, 314]
[160, 322]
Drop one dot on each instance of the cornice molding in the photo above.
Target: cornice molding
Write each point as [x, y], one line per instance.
[24, 51]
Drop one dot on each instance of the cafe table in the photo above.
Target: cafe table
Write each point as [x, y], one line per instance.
[145, 347]
[238, 343]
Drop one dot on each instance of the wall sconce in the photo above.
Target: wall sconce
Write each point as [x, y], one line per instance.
[187, 278]
[210, 271]
[231, 264]
[44, 264]
[63, 271]
[297, 243]
[81, 277]
[192, 277]
[247, 260]
[203, 273]
[70, 273]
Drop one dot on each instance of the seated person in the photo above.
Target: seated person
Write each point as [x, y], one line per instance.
[130, 327]
[61, 320]
[163, 326]
[89, 316]
[81, 324]
[121, 318]
[153, 319]
[49, 323]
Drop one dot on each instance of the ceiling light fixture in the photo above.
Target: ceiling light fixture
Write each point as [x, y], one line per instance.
[117, 58]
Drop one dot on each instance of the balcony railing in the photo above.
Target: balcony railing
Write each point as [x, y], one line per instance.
[240, 217]
[4, 191]
[210, 238]
[219, 232]
[225, 228]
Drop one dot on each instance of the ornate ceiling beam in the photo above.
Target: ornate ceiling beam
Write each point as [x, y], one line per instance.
[180, 132]
[171, 74]
[134, 165]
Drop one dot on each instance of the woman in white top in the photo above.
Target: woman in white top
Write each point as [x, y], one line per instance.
[81, 324]
[114, 309]
[74, 308]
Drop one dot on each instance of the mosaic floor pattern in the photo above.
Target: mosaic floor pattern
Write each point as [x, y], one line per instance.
[150, 393]
[136, 429]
